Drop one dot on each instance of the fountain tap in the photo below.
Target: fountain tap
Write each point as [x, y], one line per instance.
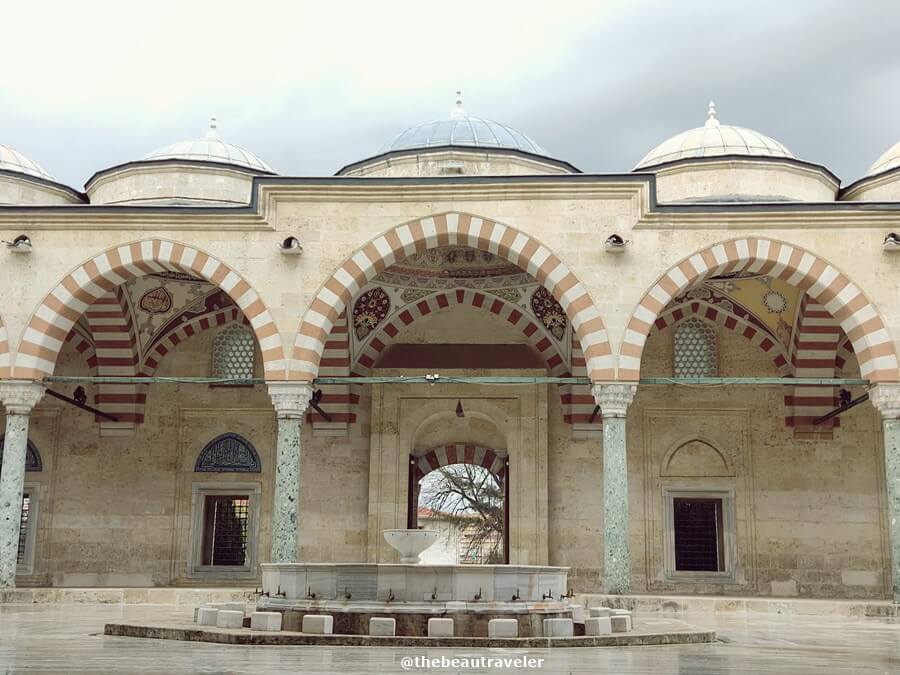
[477, 596]
[309, 594]
[280, 592]
[347, 593]
[568, 594]
[390, 597]
[516, 597]
[261, 592]
[434, 593]
[548, 595]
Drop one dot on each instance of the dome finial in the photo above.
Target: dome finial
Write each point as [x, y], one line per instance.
[711, 120]
[213, 126]
[458, 110]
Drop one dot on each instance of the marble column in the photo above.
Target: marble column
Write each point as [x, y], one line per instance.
[613, 400]
[19, 398]
[291, 400]
[886, 398]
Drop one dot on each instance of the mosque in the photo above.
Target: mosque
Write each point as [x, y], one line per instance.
[684, 377]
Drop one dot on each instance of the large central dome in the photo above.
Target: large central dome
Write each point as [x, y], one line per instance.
[462, 129]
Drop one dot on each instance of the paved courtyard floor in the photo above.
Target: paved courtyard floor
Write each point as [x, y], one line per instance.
[67, 638]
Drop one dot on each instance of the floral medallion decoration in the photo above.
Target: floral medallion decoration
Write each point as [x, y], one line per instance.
[156, 301]
[413, 294]
[550, 312]
[370, 310]
[775, 302]
[513, 295]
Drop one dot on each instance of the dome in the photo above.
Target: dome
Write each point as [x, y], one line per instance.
[210, 149]
[13, 160]
[889, 160]
[462, 129]
[712, 140]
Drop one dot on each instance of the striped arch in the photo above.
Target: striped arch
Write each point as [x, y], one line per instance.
[338, 400]
[824, 283]
[441, 230]
[729, 321]
[460, 453]
[53, 319]
[166, 342]
[816, 338]
[117, 350]
[578, 402]
[515, 315]
[84, 346]
[844, 353]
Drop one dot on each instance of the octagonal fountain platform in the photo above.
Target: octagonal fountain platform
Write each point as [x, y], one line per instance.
[412, 593]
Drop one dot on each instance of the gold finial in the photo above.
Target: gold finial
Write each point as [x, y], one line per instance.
[711, 120]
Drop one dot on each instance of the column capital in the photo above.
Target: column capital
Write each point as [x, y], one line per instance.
[886, 398]
[613, 397]
[291, 399]
[20, 396]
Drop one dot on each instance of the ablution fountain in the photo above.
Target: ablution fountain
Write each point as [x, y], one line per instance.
[411, 592]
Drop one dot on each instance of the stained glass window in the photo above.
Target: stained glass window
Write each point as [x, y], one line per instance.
[696, 349]
[234, 353]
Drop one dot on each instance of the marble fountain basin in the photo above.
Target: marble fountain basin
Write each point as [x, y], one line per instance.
[410, 543]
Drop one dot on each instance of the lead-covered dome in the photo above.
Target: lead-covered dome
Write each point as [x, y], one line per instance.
[13, 160]
[889, 160]
[210, 148]
[463, 129]
[714, 139]
[459, 144]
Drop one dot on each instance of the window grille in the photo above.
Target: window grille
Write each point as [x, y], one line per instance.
[696, 349]
[698, 535]
[234, 353]
[225, 519]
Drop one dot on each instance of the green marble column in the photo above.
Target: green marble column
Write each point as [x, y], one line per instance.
[19, 398]
[613, 400]
[892, 475]
[886, 398]
[291, 401]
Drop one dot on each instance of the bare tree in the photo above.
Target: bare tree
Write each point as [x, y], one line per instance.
[470, 498]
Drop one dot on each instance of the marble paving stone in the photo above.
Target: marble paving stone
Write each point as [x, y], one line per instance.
[382, 625]
[320, 624]
[270, 621]
[440, 627]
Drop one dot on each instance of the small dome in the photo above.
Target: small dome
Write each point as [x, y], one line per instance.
[889, 160]
[210, 149]
[13, 160]
[462, 129]
[712, 140]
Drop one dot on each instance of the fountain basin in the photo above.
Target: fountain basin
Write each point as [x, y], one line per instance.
[410, 543]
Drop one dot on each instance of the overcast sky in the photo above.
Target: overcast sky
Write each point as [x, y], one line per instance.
[310, 87]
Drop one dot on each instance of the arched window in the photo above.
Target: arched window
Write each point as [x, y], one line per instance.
[228, 453]
[32, 456]
[696, 349]
[234, 353]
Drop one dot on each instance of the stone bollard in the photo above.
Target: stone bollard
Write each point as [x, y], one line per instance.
[600, 611]
[577, 613]
[558, 628]
[318, 624]
[382, 626]
[265, 621]
[625, 613]
[619, 623]
[597, 625]
[228, 618]
[440, 627]
[235, 606]
[206, 616]
[503, 628]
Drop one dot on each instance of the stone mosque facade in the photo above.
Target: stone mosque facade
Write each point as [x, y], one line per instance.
[174, 340]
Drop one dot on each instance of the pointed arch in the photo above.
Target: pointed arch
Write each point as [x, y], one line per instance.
[823, 282]
[432, 459]
[446, 229]
[51, 322]
[228, 453]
